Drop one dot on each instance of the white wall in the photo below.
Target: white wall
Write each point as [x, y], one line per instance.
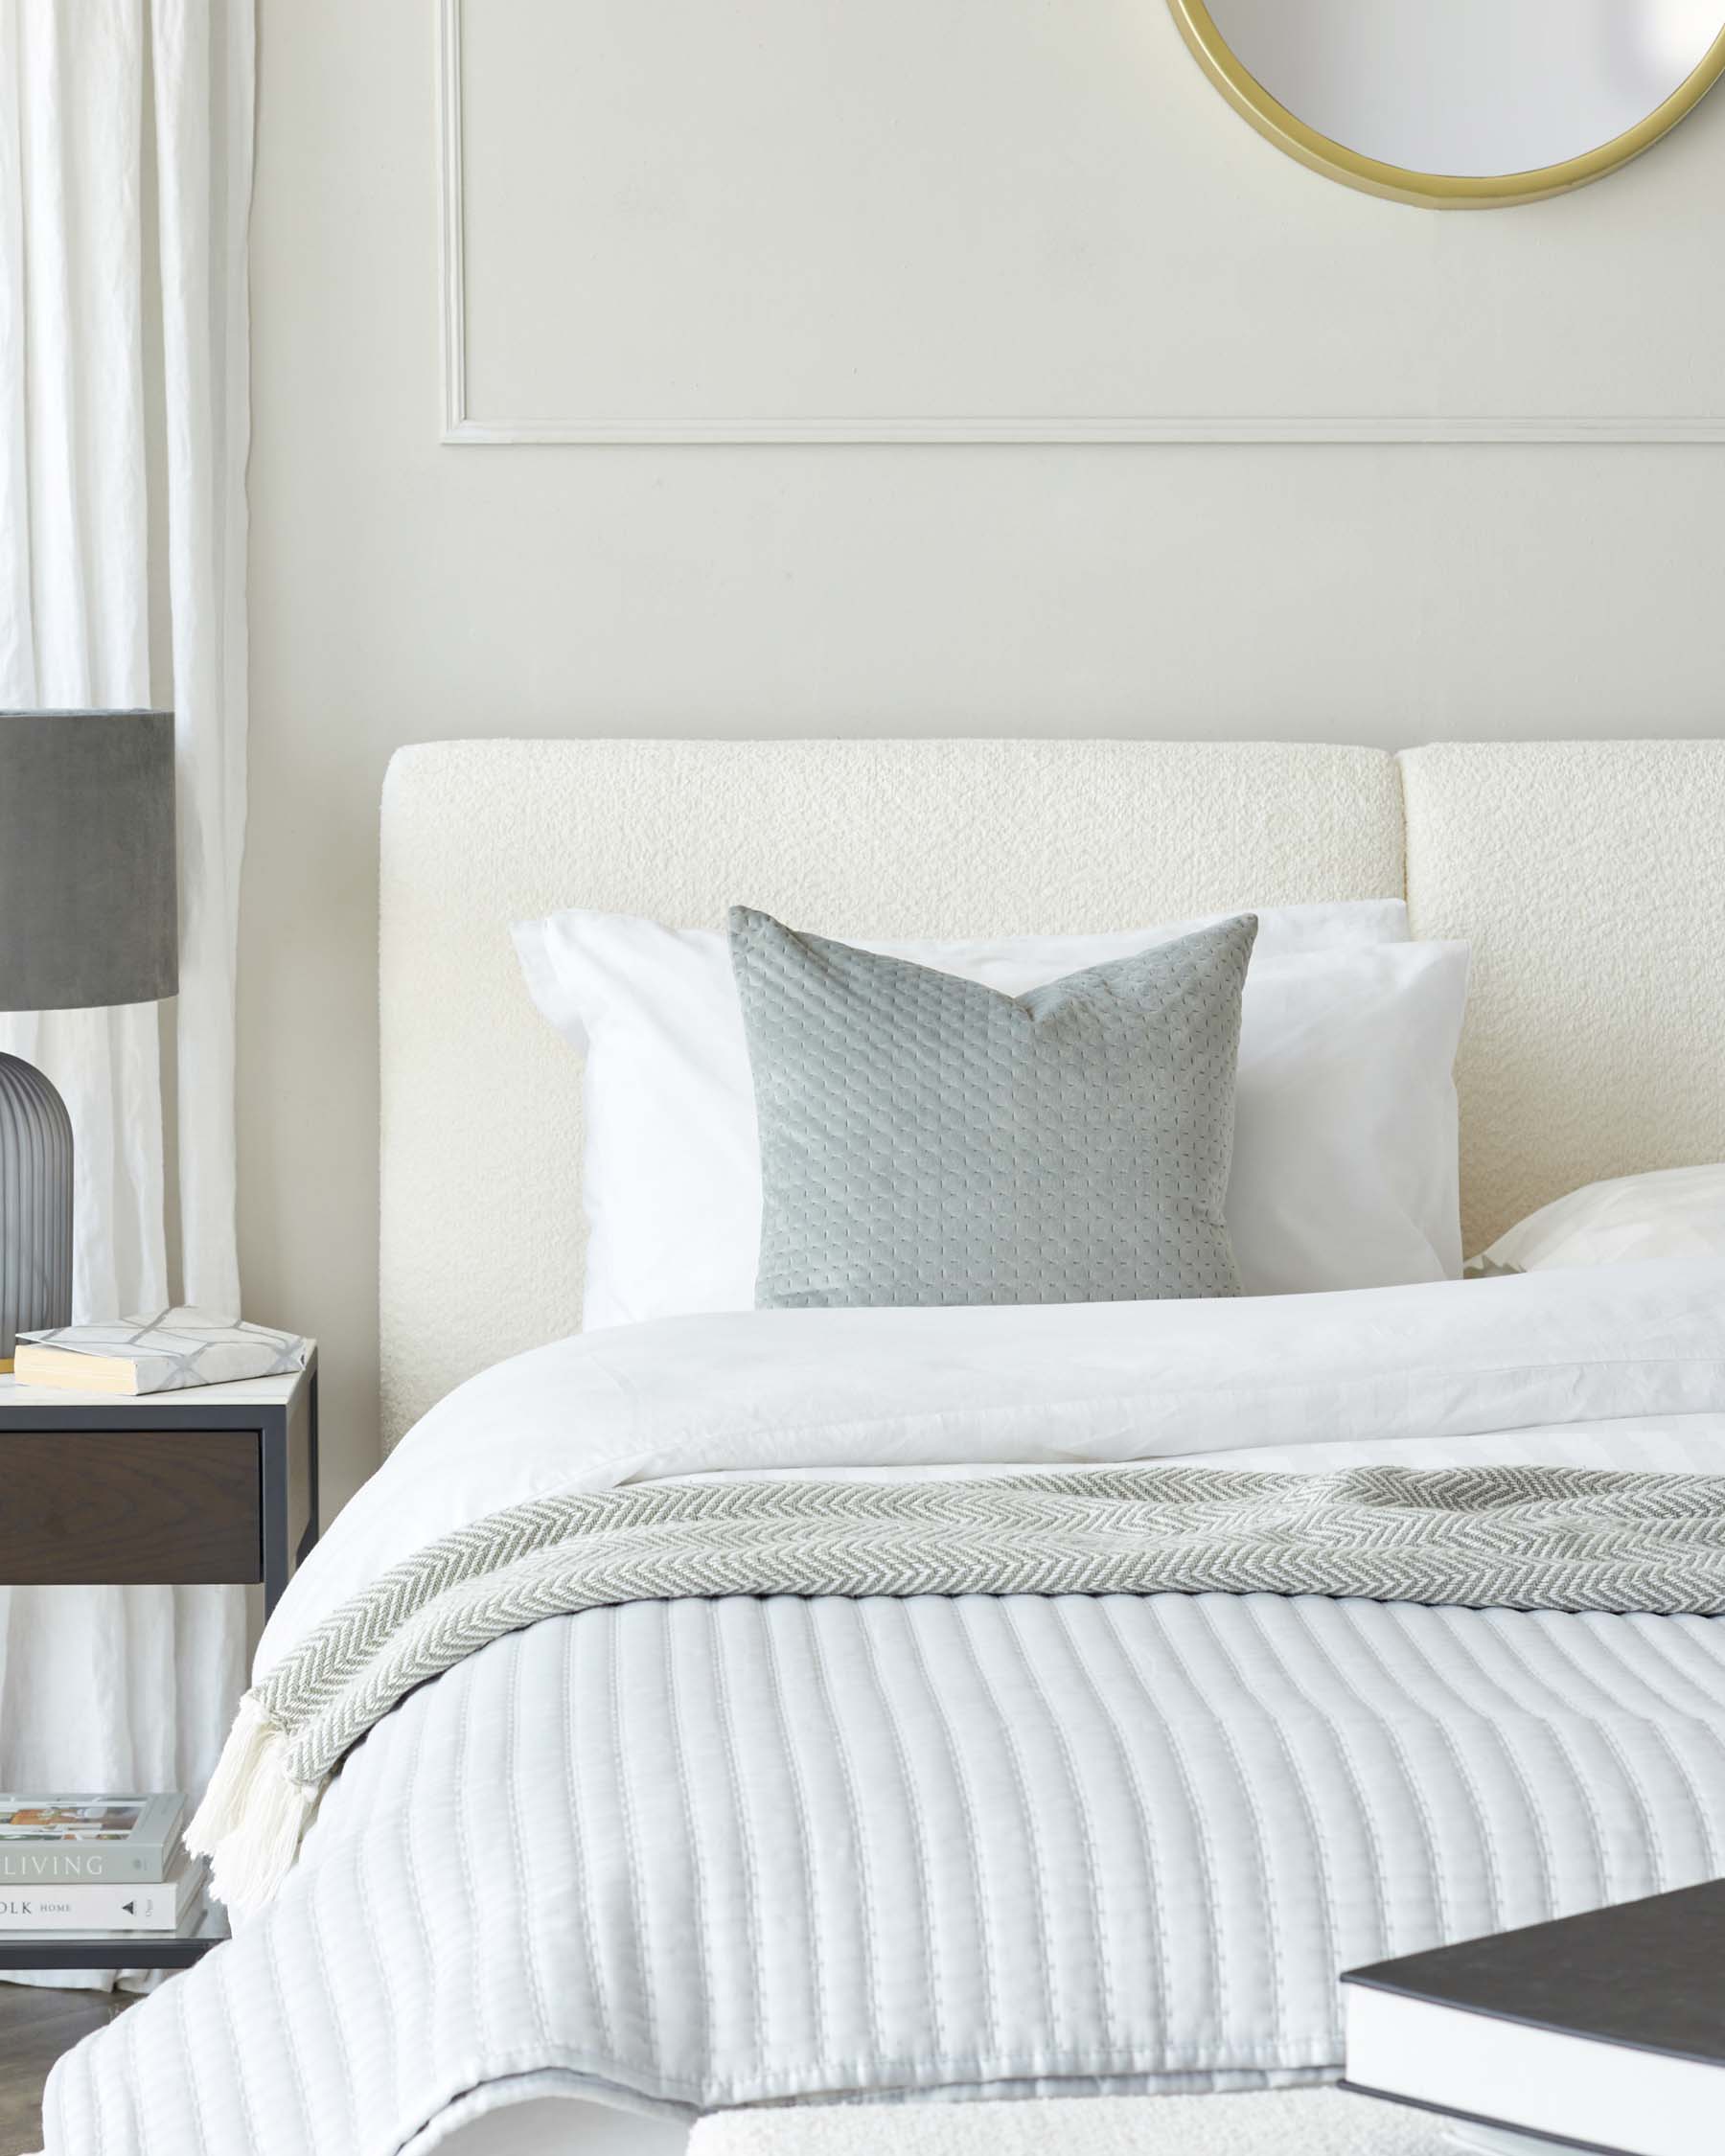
[404, 589]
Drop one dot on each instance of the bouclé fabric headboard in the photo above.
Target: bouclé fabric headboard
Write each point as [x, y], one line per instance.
[1589, 878]
[481, 1108]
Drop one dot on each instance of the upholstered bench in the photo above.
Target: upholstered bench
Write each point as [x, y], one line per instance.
[1291, 2122]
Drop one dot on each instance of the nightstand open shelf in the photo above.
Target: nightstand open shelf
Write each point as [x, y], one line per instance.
[215, 1484]
[115, 1950]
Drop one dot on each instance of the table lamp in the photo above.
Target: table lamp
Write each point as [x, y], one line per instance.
[88, 916]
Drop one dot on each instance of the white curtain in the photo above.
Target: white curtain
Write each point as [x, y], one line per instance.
[125, 149]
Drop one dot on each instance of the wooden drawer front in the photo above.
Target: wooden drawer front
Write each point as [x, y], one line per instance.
[130, 1507]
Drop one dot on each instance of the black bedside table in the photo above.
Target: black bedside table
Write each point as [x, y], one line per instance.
[214, 1484]
[217, 1484]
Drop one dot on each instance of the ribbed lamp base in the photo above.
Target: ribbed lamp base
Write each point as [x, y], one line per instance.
[35, 1205]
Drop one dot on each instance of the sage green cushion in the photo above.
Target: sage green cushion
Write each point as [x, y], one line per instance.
[926, 1139]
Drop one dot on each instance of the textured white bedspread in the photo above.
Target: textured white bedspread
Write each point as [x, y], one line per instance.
[694, 1855]
[705, 1854]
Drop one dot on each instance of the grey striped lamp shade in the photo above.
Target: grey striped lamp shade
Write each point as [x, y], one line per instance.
[88, 916]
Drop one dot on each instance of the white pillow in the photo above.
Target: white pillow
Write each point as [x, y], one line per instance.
[1667, 1213]
[1345, 1139]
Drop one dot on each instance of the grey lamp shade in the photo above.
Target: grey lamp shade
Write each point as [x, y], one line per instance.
[88, 912]
[88, 916]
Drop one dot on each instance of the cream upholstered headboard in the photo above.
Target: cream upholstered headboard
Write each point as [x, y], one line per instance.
[1589, 877]
[481, 1122]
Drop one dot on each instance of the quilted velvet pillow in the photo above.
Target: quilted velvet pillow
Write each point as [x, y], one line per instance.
[928, 1139]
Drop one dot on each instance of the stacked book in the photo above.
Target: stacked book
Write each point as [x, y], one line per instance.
[95, 1864]
[1603, 2031]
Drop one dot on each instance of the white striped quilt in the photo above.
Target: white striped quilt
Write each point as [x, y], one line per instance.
[692, 1854]
[698, 1854]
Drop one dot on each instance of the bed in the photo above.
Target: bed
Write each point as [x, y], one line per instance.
[689, 1853]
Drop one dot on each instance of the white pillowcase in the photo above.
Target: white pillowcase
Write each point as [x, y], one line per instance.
[1345, 1169]
[1667, 1213]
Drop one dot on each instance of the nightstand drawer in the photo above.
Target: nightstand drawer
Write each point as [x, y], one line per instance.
[129, 1507]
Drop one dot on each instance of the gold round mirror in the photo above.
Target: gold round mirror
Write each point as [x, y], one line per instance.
[1459, 103]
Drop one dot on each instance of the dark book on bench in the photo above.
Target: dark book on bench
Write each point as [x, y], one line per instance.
[1602, 2031]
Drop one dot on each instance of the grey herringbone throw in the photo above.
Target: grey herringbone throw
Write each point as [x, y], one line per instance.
[1524, 1538]
[1516, 1538]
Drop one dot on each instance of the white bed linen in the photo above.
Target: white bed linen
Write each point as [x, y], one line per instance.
[1669, 1212]
[1344, 1171]
[769, 1390]
[687, 1855]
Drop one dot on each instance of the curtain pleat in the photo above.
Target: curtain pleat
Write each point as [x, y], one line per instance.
[204, 72]
[108, 1687]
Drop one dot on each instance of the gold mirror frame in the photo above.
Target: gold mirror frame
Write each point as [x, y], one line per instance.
[1431, 191]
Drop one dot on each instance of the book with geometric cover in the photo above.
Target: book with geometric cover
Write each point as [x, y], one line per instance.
[93, 1840]
[1601, 2031]
[159, 1353]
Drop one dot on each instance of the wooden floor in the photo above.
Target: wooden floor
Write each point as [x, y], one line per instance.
[35, 2025]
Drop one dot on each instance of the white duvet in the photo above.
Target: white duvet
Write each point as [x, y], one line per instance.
[900, 1389]
[691, 1854]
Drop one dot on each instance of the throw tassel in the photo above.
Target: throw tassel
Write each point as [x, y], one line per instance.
[253, 1813]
